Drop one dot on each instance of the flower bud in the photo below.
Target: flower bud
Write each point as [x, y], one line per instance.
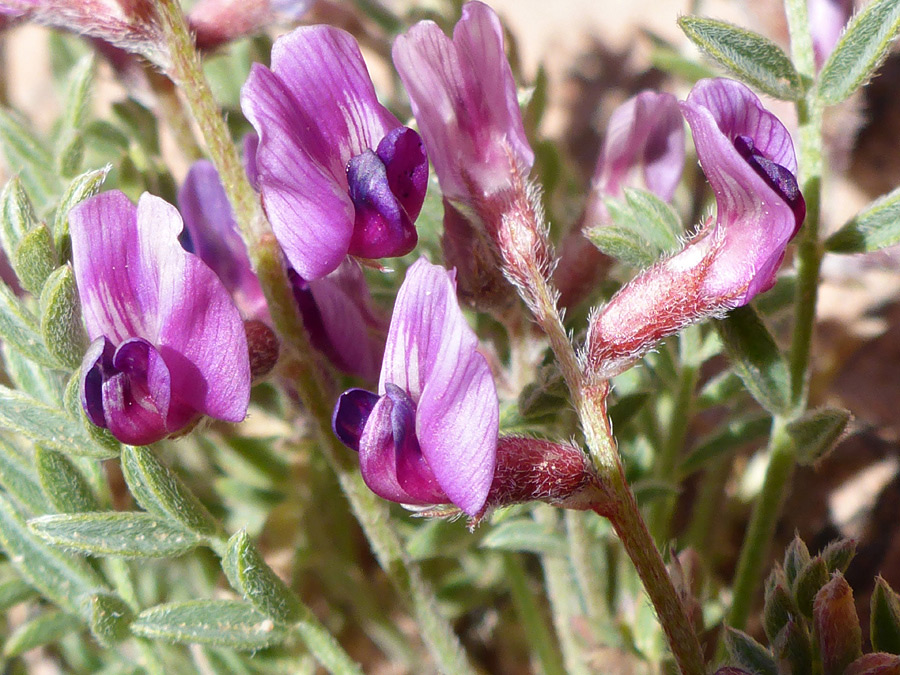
[875, 664]
[837, 626]
[263, 347]
[529, 469]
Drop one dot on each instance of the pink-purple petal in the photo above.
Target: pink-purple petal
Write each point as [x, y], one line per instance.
[464, 98]
[323, 69]
[432, 354]
[213, 234]
[114, 270]
[379, 460]
[306, 201]
[757, 216]
[645, 136]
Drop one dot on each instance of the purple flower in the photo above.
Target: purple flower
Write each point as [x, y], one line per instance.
[212, 234]
[337, 312]
[429, 436]
[217, 22]
[464, 99]
[644, 147]
[748, 158]
[827, 19]
[168, 343]
[337, 172]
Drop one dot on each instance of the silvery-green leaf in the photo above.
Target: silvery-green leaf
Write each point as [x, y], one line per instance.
[656, 217]
[623, 244]
[224, 623]
[161, 492]
[15, 591]
[248, 573]
[756, 359]
[70, 143]
[65, 486]
[859, 52]
[49, 426]
[750, 57]
[16, 214]
[61, 325]
[730, 437]
[110, 619]
[817, 432]
[115, 533]
[524, 534]
[41, 630]
[19, 478]
[65, 580]
[20, 329]
[876, 227]
[43, 383]
[29, 158]
[86, 185]
[34, 258]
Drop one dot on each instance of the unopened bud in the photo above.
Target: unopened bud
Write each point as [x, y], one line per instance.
[529, 469]
[837, 626]
[875, 664]
[480, 283]
[793, 648]
[838, 554]
[796, 558]
[262, 345]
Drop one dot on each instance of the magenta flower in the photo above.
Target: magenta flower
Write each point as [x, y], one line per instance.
[337, 173]
[827, 19]
[430, 434]
[748, 158]
[464, 99]
[337, 312]
[212, 234]
[168, 343]
[644, 147]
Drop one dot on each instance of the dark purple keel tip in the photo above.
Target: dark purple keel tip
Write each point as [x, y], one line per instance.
[382, 228]
[776, 176]
[403, 154]
[96, 367]
[351, 412]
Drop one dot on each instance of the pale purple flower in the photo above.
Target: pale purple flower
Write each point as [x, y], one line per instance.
[748, 159]
[827, 19]
[429, 436]
[168, 344]
[644, 147]
[217, 22]
[464, 99]
[338, 315]
[337, 172]
[212, 234]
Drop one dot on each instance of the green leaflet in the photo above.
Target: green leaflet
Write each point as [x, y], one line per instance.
[115, 533]
[860, 50]
[65, 580]
[756, 359]
[749, 56]
[524, 534]
[876, 227]
[50, 426]
[224, 623]
[44, 629]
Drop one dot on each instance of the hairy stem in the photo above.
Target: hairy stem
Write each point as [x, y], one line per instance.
[311, 383]
[754, 552]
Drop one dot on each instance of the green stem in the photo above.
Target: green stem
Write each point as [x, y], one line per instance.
[533, 621]
[754, 552]
[755, 549]
[589, 400]
[311, 384]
